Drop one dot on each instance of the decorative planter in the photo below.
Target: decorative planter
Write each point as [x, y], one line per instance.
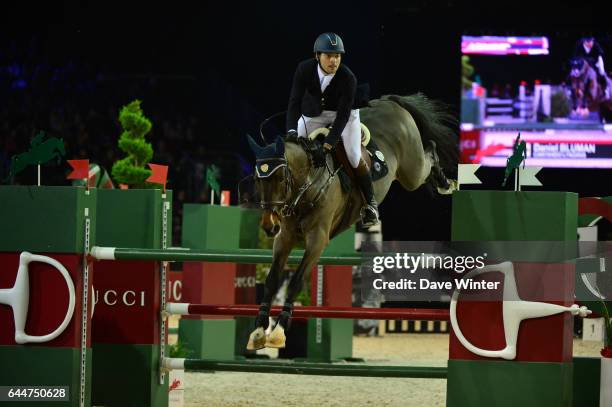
[605, 393]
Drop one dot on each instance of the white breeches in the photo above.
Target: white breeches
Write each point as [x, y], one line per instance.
[351, 135]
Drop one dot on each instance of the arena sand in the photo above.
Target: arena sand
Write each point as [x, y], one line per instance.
[229, 389]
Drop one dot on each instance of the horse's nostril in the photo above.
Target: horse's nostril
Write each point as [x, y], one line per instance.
[273, 231]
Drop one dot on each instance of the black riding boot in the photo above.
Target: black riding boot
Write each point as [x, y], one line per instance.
[369, 213]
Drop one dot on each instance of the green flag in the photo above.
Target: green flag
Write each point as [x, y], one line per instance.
[212, 176]
[519, 155]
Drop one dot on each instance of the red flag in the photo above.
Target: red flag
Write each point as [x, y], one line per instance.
[80, 169]
[159, 173]
[595, 206]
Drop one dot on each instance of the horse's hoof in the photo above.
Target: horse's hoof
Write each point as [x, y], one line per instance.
[452, 186]
[277, 338]
[257, 339]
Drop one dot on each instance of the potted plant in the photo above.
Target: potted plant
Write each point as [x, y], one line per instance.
[130, 171]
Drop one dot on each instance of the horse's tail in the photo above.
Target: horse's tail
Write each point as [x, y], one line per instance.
[436, 123]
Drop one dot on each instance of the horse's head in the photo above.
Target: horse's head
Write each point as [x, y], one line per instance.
[577, 66]
[272, 182]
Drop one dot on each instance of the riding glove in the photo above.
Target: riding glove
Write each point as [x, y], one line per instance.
[329, 144]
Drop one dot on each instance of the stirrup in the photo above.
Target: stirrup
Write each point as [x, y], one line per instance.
[369, 216]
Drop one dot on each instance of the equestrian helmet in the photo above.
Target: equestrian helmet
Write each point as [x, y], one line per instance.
[329, 43]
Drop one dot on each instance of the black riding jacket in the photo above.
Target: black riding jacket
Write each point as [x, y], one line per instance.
[306, 97]
[592, 56]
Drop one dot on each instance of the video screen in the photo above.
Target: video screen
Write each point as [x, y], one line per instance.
[554, 90]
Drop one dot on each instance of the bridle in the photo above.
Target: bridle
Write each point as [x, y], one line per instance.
[262, 173]
[577, 72]
[288, 205]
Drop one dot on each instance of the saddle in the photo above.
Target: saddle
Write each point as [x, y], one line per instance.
[375, 159]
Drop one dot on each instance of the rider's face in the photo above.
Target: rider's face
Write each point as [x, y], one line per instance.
[330, 62]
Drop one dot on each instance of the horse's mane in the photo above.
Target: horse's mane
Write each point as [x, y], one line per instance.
[295, 152]
[293, 141]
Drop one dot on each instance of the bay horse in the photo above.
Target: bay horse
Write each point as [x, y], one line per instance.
[418, 139]
[587, 93]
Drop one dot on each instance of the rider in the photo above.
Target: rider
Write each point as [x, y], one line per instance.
[322, 94]
[588, 49]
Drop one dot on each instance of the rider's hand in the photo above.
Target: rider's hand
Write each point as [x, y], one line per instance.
[330, 141]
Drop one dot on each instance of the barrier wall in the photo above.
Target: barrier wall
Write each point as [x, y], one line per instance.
[125, 326]
[213, 227]
[55, 222]
[541, 374]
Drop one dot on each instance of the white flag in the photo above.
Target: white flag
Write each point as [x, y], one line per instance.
[527, 177]
[466, 174]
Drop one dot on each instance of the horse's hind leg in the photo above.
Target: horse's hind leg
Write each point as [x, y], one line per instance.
[415, 167]
[443, 184]
[282, 247]
[422, 165]
[315, 242]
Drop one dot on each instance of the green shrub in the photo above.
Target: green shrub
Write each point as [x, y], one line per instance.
[131, 170]
[178, 350]
[560, 105]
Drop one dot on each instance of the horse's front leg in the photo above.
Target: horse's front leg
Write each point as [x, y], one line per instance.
[315, 241]
[283, 244]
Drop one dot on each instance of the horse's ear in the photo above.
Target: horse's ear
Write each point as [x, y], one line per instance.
[254, 146]
[280, 146]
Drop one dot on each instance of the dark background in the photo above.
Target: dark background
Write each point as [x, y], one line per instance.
[208, 75]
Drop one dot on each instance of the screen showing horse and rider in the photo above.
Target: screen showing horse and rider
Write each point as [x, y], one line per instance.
[555, 90]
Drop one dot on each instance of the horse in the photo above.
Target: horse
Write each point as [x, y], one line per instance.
[587, 93]
[418, 139]
[39, 153]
